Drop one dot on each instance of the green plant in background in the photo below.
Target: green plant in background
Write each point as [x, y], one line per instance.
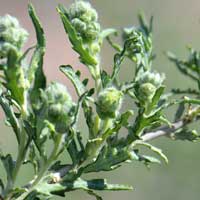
[42, 114]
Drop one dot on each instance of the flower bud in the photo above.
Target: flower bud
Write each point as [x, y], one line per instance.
[152, 77]
[84, 19]
[109, 102]
[147, 91]
[12, 35]
[59, 107]
[148, 83]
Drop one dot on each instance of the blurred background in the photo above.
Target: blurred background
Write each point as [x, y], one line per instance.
[176, 24]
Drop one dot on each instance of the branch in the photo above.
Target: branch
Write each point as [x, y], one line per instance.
[164, 130]
[192, 115]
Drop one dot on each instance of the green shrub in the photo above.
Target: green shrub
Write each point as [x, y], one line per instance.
[40, 114]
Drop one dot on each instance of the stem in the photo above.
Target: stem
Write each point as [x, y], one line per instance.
[106, 125]
[44, 169]
[165, 130]
[97, 121]
[52, 157]
[20, 159]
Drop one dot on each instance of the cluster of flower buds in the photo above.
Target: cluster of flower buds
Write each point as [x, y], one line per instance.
[84, 19]
[109, 102]
[59, 107]
[12, 35]
[148, 83]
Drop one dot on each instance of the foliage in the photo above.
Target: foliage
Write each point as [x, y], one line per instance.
[41, 113]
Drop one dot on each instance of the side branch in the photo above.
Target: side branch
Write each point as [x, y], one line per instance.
[163, 131]
[192, 115]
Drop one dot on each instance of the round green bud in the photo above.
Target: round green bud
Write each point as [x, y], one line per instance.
[109, 102]
[12, 35]
[146, 91]
[84, 19]
[152, 77]
[57, 92]
[59, 107]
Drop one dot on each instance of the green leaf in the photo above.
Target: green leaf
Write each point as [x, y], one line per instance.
[106, 32]
[149, 159]
[190, 91]
[92, 147]
[1, 185]
[79, 184]
[10, 115]
[76, 41]
[15, 80]
[37, 25]
[156, 98]
[180, 111]
[118, 58]
[119, 123]
[147, 29]
[185, 135]
[109, 159]
[154, 149]
[33, 158]
[180, 65]
[70, 73]
[92, 193]
[35, 72]
[9, 166]
[105, 78]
